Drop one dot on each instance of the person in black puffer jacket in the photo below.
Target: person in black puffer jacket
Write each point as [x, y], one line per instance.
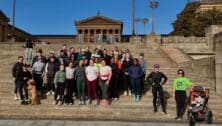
[127, 63]
[17, 71]
[50, 70]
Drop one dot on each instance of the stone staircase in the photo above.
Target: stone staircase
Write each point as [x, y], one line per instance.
[124, 109]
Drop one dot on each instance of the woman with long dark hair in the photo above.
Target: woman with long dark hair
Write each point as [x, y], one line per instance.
[179, 85]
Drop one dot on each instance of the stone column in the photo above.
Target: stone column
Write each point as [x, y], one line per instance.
[77, 36]
[107, 35]
[88, 38]
[119, 35]
[94, 36]
[101, 36]
[83, 35]
[218, 67]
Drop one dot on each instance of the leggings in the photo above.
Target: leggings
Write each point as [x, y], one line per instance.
[59, 91]
[158, 90]
[180, 97]
[92, 89]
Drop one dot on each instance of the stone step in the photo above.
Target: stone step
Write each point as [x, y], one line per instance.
[146, 99]
[117, 107]
[84, 112]
[129, 104]
[168, 87]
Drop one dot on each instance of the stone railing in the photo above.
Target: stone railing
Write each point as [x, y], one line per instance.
[187, 44]
[203, 68]
[181, 39]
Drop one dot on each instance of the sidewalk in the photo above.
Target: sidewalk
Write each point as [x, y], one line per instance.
[91, 123]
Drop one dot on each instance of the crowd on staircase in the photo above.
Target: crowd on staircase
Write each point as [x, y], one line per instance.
[93, 77]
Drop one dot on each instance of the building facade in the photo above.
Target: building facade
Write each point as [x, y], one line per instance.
[99, 29]
[6, 30]
[209, 4]
[3, 27]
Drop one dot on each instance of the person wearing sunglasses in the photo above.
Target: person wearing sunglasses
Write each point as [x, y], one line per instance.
[180, 84]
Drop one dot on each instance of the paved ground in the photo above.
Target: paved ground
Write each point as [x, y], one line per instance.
[90, 123]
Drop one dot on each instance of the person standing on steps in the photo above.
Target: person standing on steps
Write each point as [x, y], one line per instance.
[27, 75]
[114, 84]
[70, 83]
[105, 74]
[135, 73]
[50, 70]
[17, 71]
[38, 71]
[127, 63]
[81, 81]
[92, 73]
[59, 81]
[157, 79]
[180, 84]
[28, 51]
[143, 64]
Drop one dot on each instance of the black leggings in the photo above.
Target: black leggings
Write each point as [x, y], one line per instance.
[59, 91]
[114, 86]
[23, 86]
[126, 83]
[50, 83]
[180, 97]
[155, 92]
[70, 89]
[38, 80]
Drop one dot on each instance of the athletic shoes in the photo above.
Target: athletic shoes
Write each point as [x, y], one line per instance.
[125, 93]
[48, 93]
[16, 97]
[164, 112]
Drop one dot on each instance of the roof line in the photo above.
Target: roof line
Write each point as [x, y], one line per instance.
[89, 18]
[4, 16]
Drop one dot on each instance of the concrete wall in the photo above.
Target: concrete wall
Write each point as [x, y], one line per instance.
[181, 39]
[218, 61]
[187, 44]
[55, 39]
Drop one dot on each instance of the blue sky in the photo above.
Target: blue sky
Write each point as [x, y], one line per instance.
[58, 16]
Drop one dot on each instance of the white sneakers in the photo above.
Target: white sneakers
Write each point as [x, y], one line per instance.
[50, 93]
[125, 93]
[16, 97]
[129, 93]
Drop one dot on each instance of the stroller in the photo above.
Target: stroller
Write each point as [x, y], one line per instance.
[198, 102]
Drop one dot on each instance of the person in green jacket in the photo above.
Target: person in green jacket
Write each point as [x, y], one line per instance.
[180, 84]
[59, 81]
[80, 77]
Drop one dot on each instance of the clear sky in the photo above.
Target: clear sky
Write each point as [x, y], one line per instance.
[58, 16]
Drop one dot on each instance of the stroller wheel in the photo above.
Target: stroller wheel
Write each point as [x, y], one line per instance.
[191, 120]
[210, 117]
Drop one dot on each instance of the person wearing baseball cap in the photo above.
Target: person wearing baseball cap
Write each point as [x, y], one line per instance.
[157, 79]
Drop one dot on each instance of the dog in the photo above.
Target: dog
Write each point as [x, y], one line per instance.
[33, 93]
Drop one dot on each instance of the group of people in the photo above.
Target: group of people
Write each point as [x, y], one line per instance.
[93, 77]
